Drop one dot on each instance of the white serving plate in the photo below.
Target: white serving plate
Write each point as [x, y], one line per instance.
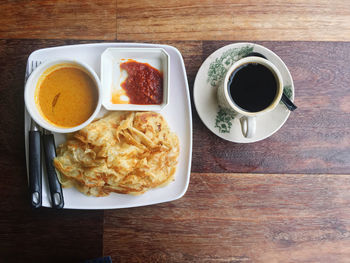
[177, 113]
[112, 77]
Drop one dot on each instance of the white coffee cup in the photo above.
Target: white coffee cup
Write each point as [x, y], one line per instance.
[248, 118]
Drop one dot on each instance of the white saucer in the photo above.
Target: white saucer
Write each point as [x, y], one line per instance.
[223, 122]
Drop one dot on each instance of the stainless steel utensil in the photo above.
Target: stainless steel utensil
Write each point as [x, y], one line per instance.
[35, 176]
[35, 165]
[57, 200]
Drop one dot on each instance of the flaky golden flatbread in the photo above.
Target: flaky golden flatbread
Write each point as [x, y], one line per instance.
[124, 152]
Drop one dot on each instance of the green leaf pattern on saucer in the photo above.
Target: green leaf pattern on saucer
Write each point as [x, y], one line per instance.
[216, 73]
[224, 119]
[219, 66]
[287, 90]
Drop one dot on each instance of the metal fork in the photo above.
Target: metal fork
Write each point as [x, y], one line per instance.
[35, 167]
[35, 175]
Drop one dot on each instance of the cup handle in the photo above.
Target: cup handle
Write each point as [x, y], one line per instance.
[248, 125]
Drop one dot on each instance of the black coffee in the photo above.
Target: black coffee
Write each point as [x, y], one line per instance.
[252, 87]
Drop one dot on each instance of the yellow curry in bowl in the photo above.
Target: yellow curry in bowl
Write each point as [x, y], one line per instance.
[66, 95]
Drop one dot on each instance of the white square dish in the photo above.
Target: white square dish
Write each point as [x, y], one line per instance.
[112, 76]
[177, 114]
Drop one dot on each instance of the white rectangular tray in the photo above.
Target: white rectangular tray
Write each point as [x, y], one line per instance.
[177, 113]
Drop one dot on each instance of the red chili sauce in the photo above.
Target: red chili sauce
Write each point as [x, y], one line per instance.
[144, 84]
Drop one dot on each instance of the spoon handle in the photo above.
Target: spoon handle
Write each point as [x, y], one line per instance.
[57, 200]
[35, 169]
[289, 104]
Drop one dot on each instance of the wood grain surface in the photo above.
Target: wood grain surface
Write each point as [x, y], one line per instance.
[239, 218]
[234, 20]
[282, 20]
[284, 199]
[64, 19]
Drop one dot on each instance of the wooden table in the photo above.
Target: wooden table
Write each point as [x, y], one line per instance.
[284, 199]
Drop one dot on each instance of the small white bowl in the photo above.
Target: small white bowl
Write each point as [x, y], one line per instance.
[31, 85]
[112, 77]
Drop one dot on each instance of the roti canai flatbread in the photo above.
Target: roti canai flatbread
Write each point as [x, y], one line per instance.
[124, 152]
